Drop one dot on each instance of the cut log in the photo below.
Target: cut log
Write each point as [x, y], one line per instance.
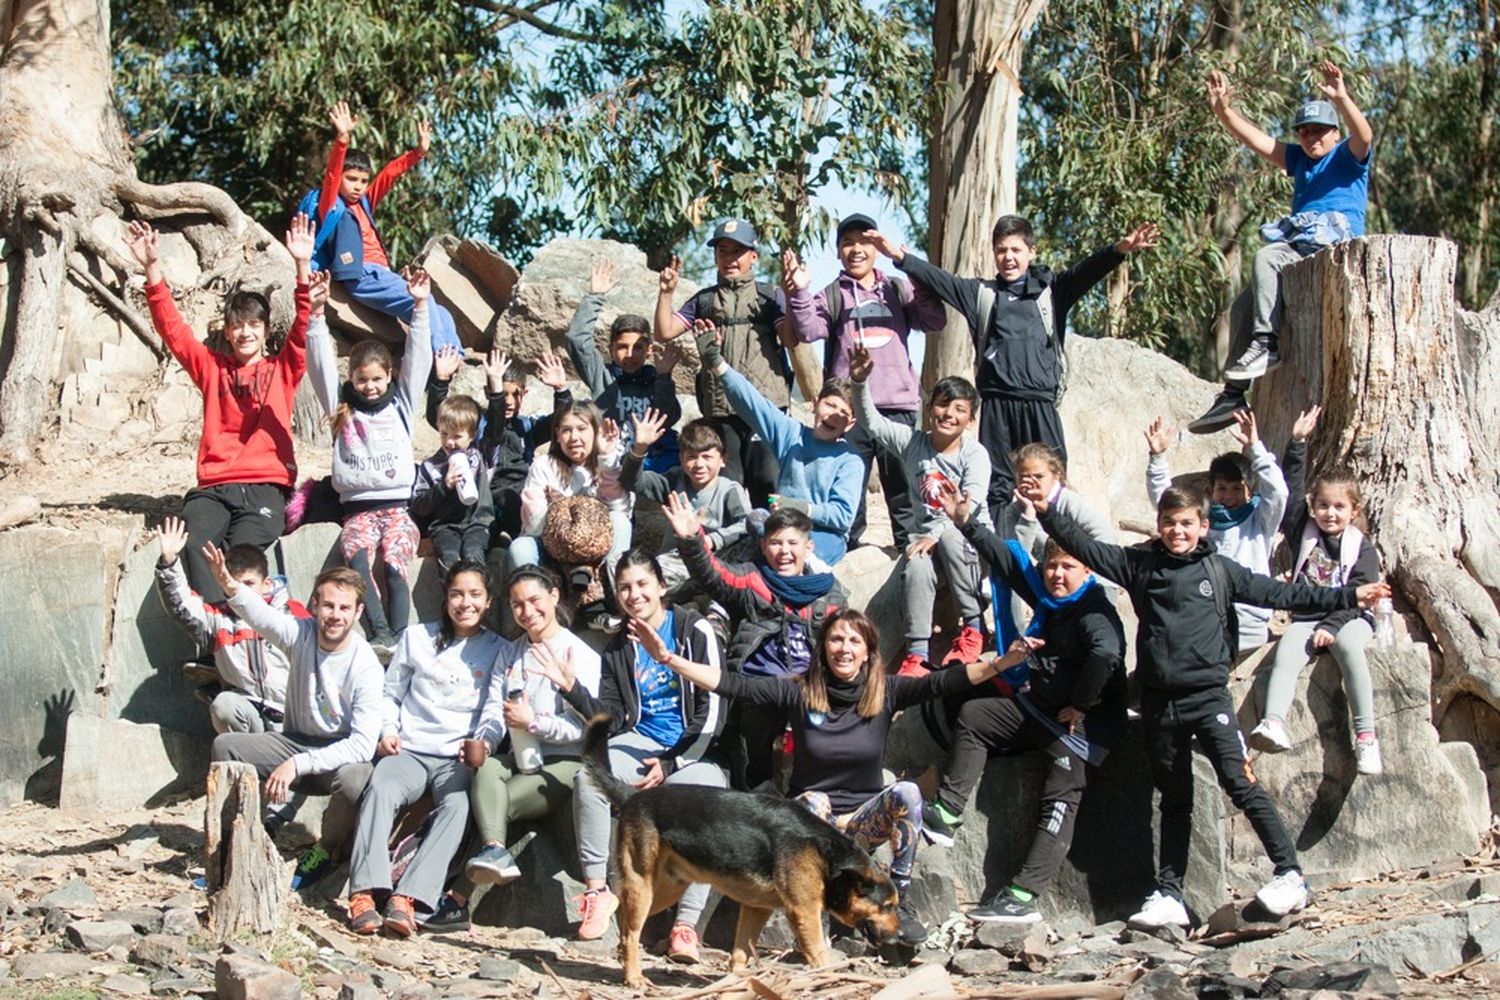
[1405, 378]
[247, 880]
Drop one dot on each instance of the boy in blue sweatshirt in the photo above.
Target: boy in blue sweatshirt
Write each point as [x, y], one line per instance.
[821, 474]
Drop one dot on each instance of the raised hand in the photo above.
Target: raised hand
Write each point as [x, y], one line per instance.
[681, 516]
[1219, 92]
[319, 286]
[1028, 509]
[885, 245]
[418, 285]
[666, 281]
[954, 503]
[1140, 238]
[550, 371]
[220, 570]
[708, 339]
[557, 669]
[1032, 491]
[1306, 421]
[1332, 86]
[649, 428]
[172, 537]
[648, 639]
[446, 362]
[1245, 430]
[860, 362]
[669, 358]
[424, 135]
[143, 244]
[496, 364]
[794, 275]
[602, 277]
[299, 238]
[609, 436]
[343, 121]
[1159, 436]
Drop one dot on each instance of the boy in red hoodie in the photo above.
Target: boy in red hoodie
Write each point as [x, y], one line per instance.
[246, 466]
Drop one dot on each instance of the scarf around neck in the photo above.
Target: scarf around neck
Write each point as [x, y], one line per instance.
[358, 402]
[798, 591]
[1222, 518]
[845, 694]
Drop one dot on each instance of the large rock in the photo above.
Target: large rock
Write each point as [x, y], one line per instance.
[474, 282]
[113, 765]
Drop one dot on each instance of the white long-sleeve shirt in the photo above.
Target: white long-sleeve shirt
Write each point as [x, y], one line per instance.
[330, 696]
[433, 700]
[556, 723]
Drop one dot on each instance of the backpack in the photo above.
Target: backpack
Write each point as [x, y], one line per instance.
[833, 303]
[988, 292]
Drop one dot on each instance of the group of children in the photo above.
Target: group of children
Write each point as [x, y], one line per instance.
[739, 603]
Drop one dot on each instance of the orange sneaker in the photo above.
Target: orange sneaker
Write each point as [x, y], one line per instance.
[684, 946]
[913, 666]
[967, 646]
[363, 918]
[596, 907]
[400, 919]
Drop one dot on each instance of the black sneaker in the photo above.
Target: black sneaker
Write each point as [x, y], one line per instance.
[1260, 357]
[936, 829]
[1221, 414]
[1005, 908]
[912, 931]
[450, 915]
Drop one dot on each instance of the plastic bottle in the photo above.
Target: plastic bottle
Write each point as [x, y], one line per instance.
[468, 493]
[1385, 624]
[524, 745]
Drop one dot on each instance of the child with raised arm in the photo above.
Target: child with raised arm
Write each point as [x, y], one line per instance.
[865, 305]
[246, 463]
[1249, 495]
[627, 384]
[371, 415]
[820, 473]
[349, 245]
[933, 459]
[1330, 175]
[755, 333]
[1018, 322]
[1183, 594]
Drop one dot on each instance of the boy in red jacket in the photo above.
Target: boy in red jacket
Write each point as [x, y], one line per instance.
[246, 467]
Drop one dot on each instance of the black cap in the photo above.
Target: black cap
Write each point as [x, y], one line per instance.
[858, 222]
[736, 231]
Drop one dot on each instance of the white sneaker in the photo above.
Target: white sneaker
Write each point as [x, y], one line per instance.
[1367, 757]
[1159, 910]
[1270, 736]
[1286, 893]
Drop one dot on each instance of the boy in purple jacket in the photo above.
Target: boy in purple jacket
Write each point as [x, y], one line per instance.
[864, 305]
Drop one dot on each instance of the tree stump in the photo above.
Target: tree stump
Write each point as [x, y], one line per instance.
[1410, 400]
[247, 880]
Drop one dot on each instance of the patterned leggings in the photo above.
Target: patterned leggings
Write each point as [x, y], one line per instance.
[391, 532]
[894, 815]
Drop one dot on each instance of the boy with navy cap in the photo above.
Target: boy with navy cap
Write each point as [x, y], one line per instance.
[1330, 175]
[863, 305]
[749, 315]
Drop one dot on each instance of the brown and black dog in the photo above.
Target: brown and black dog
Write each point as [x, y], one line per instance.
[761, 850]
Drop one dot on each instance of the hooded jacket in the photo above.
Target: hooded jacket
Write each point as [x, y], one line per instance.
[619, 394]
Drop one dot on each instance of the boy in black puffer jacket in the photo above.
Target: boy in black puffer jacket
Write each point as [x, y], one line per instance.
[1183, 595]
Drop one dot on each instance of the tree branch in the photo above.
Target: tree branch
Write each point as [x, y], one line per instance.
[184, 196]
[527, 15]
[78, 270]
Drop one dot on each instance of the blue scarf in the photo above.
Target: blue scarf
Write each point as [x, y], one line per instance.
[798, 591]
[1222, 518]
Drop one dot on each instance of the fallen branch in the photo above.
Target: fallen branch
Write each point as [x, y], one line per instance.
[556, 981]
[1063, 991]
[79, 272]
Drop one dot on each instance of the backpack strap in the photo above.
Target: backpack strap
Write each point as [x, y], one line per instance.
[1218, 578]
[988, 290]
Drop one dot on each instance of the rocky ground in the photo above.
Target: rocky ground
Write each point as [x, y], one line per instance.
[103, 906]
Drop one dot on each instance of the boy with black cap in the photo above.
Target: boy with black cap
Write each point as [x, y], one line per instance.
[749, 315]
[1018, 321]
[865, 306]
[1330, 176]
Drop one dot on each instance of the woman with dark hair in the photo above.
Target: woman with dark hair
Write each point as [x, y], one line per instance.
[436, 692]
[534, 776]
[661, 728]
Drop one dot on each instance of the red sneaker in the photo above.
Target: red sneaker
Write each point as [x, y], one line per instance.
[913, 666]
[967, 646]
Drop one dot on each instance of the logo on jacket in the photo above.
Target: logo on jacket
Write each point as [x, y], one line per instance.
[1222, 719]
[1206, 589]
[264, 512]
[816, 718]
[933, 484]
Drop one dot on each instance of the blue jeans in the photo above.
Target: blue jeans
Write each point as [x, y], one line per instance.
[829, 547]
[383, 290]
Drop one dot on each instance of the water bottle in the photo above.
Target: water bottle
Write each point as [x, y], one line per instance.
[1385, 624]
[524, 746]
[468, 493]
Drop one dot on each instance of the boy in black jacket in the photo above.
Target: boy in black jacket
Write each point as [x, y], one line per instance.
[1018, 322]
[1071, 704]
[1183, 595]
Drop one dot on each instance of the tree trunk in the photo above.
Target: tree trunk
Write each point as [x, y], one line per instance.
[66, 174]
[1408, 387]
[977, 47]
[247, 880]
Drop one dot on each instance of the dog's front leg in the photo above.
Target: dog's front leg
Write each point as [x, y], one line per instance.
[807, 927]
[746, 933]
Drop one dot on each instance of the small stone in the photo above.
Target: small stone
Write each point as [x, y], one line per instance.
[1159, 984]
[517, 936]
[393, 957]
[498, 970]
[414, 991]
[361, 990]
[127, 985]
[145, 919]
[72, 894]
[8, 902]
[181, 920]
[171, 985]
[851, 946]
[240, 977]
[97, 935]
[327, 937]
[53, 965]
[1003, 937]
[27, 867]
[117, 953]
[55, 919]
[979, 962]
[160, 950]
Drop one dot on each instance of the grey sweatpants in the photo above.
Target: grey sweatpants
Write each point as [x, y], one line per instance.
[236, 712]
[1266, 285]
[591, 809]
[1348, 651]
[265, 751]
[956, 560]
[398, 781]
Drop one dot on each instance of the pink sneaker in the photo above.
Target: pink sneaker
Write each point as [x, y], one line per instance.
[967, 646]
[596, 907]
[684, 946]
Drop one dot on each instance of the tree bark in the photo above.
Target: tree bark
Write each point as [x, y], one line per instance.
[977, 47]
[247, 880]
[1408, 387]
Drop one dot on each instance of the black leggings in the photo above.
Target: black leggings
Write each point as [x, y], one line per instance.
[397, 593]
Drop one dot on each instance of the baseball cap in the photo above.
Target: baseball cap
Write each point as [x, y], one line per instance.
[736, 231]
[857, 222]
[1316, 113]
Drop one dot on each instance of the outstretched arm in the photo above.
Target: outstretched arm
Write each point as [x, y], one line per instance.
[1220, 95]
[668, 326]
[1360, 134]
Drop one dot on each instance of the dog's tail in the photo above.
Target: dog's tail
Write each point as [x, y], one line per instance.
[596, 761]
